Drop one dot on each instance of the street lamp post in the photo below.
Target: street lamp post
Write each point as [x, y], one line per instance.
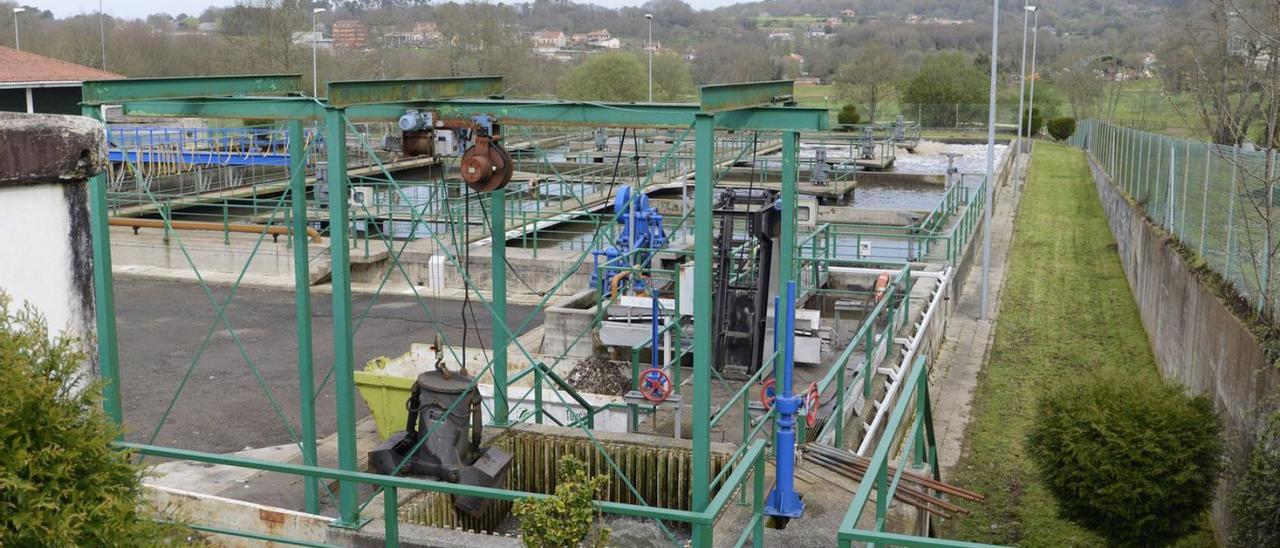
[17, 44]
[315, 88]
[991, 163]
[1022, 69]
[649, 47]
[1035, 39]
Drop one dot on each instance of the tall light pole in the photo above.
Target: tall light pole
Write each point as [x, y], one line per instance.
[315, 87]
[17, 44]
[1022, 69]
[1035, 39]
[102, 34]
[649, 47]
[991, 163]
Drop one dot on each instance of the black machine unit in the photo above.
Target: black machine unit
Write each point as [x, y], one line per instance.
[741, 306]
[452, 450]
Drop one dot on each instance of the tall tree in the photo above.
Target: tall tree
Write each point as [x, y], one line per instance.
[616, 76]
[871, 78]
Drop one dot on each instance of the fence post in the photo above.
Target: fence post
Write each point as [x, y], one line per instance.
[1231, 209]
[1204, 205]
[1173, 153]
[1186, 171]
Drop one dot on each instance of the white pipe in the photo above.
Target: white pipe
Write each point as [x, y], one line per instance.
[878, 271]
[907, 358]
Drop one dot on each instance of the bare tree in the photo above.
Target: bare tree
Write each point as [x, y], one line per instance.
[871, 78]
[1224, 56]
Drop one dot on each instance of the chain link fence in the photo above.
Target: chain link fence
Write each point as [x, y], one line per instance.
[1218, 200]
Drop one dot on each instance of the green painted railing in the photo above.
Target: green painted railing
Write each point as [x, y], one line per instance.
[921, 449]
[752, 463]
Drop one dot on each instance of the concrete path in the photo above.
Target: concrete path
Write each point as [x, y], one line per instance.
[964, 350]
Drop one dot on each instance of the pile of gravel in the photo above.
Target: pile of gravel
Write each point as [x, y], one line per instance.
[599, 375]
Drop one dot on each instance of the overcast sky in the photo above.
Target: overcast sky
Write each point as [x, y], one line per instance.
[142, 8]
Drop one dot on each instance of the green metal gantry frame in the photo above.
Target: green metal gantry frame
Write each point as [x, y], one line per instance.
[752, 106]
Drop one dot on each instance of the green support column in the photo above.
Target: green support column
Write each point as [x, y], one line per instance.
[302, 307]
[104, 297]
[498, 259]
[787, 237]
[703, 197]
[343, 356]
[790, 173]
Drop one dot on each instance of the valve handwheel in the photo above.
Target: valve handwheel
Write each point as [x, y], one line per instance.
[768, 393]
[811, 405]
[655, 386]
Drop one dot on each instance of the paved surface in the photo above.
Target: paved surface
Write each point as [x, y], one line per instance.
[968, 339]
[221, 408]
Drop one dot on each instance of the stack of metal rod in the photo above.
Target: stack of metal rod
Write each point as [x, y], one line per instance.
[915, 489]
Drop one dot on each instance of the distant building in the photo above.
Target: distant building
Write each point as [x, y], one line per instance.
[349, 33]
[549, 40]
[207, 27]
[578, 40]
[425, 27]
[780, 37]
[306, 38]
[35, 83]
[815, 31]
[848, 14]
[611, 43]
[601, 35]
[404, 39]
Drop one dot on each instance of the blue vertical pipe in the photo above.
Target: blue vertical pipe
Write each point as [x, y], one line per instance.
[783, 500]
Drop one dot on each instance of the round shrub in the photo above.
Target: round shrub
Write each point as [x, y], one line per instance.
[849, 115]
[1255, 501]
[1131, 459]
[1034, 120]
[61, 483]
[1062, 128]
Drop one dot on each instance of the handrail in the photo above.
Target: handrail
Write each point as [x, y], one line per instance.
[136, 223]
[753, 460]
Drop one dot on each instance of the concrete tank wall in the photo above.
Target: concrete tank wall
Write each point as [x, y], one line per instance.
[1197, 341]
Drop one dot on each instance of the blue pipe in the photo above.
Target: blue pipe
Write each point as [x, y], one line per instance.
[783, 500]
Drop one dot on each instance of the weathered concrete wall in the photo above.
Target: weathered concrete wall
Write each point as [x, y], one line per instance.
[45, 240]
[1197, 341]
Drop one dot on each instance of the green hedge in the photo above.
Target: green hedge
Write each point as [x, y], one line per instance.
[61, 483]
[1133, 460]
[1062, 128]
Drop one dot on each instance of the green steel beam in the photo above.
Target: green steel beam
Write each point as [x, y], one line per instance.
[302, 307]
[104, 297]
[266, 108]
[553, 113]
[343, 354]
[775, 119]
[722, 97]
[703, 198]
[356, 92]
[98, 92]
[498, 267]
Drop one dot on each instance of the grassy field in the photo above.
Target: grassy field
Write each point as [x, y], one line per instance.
[1066, 310]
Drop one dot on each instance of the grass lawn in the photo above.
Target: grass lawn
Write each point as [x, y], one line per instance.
[1066, 310]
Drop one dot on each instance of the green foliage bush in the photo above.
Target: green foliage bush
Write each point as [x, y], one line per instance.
[565, 519]
[1255, 501]
[947, 90]
[849, 115]
[1132, 460]
[1034, 120]
[1062, 128]
[614, 76]
[61, 483]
